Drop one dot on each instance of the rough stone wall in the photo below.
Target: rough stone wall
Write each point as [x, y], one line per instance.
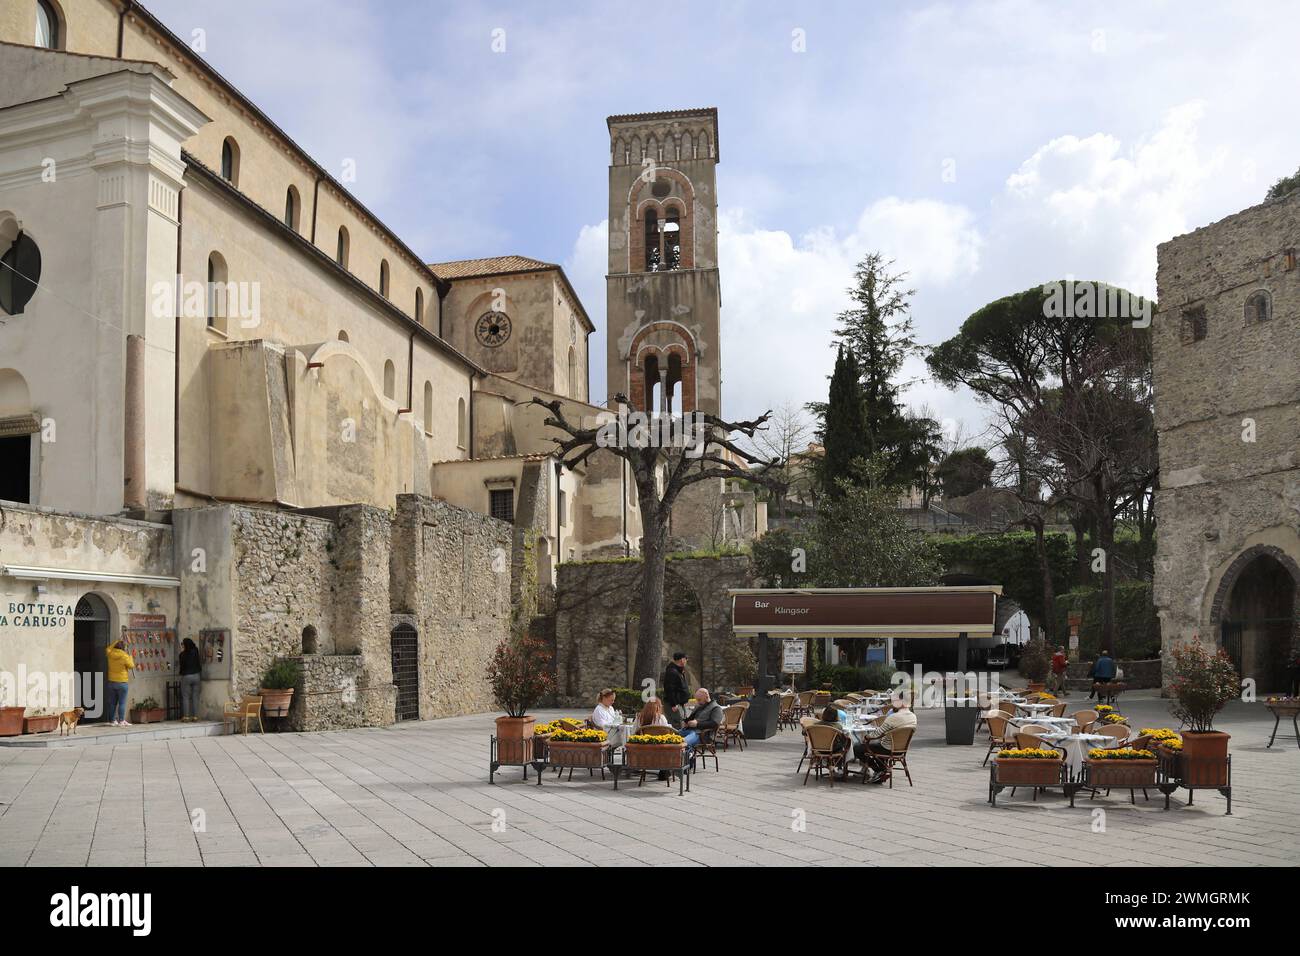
[330, 692]
[451, 570]
[594, 601]
[1229, 433]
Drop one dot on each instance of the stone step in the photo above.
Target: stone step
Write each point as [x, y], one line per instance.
[90, 735]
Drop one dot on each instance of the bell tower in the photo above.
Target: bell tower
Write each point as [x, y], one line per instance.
[663, 296]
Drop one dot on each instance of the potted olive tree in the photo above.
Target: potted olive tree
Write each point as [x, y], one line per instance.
[277, 687]
[1202, 683]
[520, 675]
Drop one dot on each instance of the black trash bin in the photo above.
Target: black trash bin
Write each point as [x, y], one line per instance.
[759, 722]
[959, 722]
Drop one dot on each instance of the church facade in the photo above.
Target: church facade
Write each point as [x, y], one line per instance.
[236, 407]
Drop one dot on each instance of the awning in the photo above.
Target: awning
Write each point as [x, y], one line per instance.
[867, 612]
[23, 573]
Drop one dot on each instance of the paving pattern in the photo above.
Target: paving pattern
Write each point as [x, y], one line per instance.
[418, 795]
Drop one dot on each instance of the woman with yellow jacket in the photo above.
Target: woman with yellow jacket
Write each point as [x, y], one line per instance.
[120, 665]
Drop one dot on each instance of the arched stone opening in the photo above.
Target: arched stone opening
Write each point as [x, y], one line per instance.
[92, 628]
[1255, 613]
[310, 640]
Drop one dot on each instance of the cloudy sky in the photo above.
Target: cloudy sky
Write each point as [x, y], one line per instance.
[987, 146]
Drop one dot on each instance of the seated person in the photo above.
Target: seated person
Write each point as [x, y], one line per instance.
[652, 714]
[706, 716]
[880, 739]
[605, 715]
[835, 718]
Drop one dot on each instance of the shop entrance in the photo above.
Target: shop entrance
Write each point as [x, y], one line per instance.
[91, 622]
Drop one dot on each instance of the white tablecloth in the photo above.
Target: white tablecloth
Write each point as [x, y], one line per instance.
[1061, 725]
[858, 724]
[1076, 747]
[618, 734]
[1035, 709]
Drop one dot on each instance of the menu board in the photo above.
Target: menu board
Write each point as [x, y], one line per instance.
[153, 650]
[214, 653]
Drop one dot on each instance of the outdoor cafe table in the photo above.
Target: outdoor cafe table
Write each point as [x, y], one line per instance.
[1061, 725]
[1076, 747]
[1034, 710]
[857, 725]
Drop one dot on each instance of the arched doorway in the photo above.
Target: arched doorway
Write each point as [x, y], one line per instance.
[1256, 610]
[91, 624]
[405, 642]
[683, 630]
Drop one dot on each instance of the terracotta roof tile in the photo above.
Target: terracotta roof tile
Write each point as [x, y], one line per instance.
[491, 266]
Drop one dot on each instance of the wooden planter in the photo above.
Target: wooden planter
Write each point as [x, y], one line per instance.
[11, 721]
[40, 725]
[1128, 774]
[275, 703]
[154, 715]
[574, 754]
[1028, 771]
[654, 756]
[1205, 759]
[515, 740]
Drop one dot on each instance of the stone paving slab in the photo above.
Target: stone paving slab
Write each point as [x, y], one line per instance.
[417, 795]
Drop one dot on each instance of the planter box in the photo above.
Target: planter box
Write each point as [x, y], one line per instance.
[959, 723]
[1130, 774]
[154, 715]
[1027, 771]
[568, 753]
[515, 740]
[40, 725]
[275, 703]
[11, 721]
[654, 756]
[1205, 759]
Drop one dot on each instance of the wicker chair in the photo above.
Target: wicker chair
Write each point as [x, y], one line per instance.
[828, 748]
[843, 703]
[997, 736]
[785, 716]
[1118, 731]
[1085, 719]
[803, 703]
[1059, 709]
[1028, 741]
[731, 729]
[856, 698]
[899, 741]
[804, 723]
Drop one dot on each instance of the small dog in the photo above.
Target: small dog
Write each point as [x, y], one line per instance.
[69, 718]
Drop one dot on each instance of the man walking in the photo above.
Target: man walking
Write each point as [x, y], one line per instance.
[1059, 664]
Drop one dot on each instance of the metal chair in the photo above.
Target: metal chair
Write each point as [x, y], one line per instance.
[828, 748]
[997, 735]
[731, 726]
[1085, 719]
[899, 741]
[247, 709]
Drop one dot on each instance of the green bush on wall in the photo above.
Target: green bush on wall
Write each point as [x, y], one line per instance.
[845, 679]
[1137, 627]
[1011, 559]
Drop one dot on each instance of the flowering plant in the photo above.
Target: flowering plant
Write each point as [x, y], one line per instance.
[1174, 743]
[1202, 683]
[1030, 753]
[1120, 753]
[520, 674]
[1113, 719]
[1159, 734]
[670, 739]
[559, 723]
[1104, 709]
[580, 736]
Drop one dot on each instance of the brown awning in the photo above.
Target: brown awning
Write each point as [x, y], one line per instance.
[867, 612]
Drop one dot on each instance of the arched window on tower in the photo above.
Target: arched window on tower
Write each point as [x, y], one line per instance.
[230, 161]
[383, 278]
[652, 260]
[675, 399]
[341, 252]
[419, 306]
[292, 207]
[672, 252]
[688, 146]
[653, 393]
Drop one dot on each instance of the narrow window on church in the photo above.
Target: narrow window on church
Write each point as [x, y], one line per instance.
[341, 253]
[573, 374]
[291, 206]
[428, 408]
[390, 379]
[461, 430]
[230, 161]
[47, 26]
[651, 241]
[419, 306]
[383, 278]
[218, 291]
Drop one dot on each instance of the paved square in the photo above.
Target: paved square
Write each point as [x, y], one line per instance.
[418, 795]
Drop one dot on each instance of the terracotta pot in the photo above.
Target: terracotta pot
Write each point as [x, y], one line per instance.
[275, 703]
[654, 756]
[515, 739]
[1027, 771]
[154, 715]
[1133, 774]
[11, 721]
[40, 725]
[571, 753]
[1205, 759]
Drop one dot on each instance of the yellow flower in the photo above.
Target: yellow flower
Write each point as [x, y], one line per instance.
[1030, 753]
[668, 739]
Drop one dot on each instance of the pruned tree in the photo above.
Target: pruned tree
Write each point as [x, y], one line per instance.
[784, 438]
[660, 474]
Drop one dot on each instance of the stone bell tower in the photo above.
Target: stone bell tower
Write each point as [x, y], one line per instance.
[663, 297]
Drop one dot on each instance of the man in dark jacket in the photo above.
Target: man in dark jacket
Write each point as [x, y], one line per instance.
[1103, 672]
[675, 693]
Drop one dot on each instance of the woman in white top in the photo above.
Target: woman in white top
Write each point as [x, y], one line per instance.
[605, 716]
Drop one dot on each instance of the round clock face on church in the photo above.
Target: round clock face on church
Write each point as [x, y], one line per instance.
[493, 329]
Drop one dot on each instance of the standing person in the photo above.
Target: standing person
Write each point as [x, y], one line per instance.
[1059, 664]
[191, 668]
[1103, 672]
[118, 682]
[675, 693]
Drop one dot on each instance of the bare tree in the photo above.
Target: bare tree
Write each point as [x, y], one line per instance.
[660, 474]
[786, 434]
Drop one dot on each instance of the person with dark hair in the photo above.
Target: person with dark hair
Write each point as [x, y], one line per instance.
[191, 668]
[879, 740]
[117, 682]
[831, 717]
[675, 692]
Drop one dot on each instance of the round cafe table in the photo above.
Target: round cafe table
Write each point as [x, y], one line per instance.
[1060, 725]
[1076, 747]
[1033, 710]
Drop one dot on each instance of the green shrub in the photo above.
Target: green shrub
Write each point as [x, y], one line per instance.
[1137, 627]
[845, 679]
[627, 699]
[282, 675]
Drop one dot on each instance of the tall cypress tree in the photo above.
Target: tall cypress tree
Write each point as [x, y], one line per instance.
[844, 426]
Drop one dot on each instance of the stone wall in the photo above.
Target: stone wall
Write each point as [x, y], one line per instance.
[451, 570]
[595, 627]
[1229, 432]
[329, 694]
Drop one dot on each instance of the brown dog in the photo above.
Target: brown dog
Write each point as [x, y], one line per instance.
[69, 718]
